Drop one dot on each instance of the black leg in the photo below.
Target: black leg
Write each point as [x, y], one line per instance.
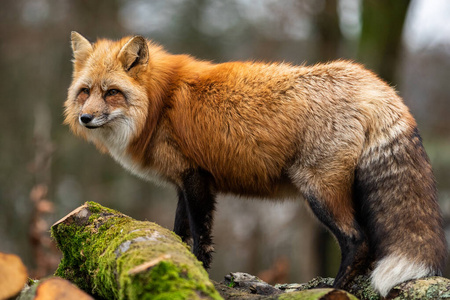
[355, 260]
[200, 203]
[353, 244]
[181, 226]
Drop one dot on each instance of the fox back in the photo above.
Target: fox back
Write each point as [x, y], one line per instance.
[333, 134]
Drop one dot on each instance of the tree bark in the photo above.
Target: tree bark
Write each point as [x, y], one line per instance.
[113, 256]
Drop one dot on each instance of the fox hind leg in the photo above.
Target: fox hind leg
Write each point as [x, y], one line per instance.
[351, 238]
[326, 184]
[355, 256]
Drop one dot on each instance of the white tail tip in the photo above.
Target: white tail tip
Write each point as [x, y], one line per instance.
[394, 269]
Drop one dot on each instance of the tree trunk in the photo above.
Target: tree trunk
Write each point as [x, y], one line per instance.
[328, 32]
[381, 32]
[113, 256]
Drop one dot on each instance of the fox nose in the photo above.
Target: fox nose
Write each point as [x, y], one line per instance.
[86, 118]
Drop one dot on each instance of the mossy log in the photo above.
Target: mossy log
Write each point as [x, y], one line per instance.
[112, 256]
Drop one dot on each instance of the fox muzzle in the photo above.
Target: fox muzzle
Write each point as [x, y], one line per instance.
[86, 119]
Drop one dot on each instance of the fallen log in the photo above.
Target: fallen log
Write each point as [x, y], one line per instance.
[112, 256]
[13, 275]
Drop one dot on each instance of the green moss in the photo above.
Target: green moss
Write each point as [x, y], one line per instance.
[304, 295]
[231, 283]
[315, 294]
[73, 254]
[95, 207]
[98, 256]
[165, 281]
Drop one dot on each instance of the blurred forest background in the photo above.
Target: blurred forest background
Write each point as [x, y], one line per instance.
[45, 171]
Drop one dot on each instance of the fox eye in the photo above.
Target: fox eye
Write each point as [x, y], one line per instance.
[85, 91]
[111, 92]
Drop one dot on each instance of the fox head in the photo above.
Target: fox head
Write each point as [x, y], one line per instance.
[107, 101]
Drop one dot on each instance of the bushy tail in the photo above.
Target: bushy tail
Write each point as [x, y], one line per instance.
[399, 210]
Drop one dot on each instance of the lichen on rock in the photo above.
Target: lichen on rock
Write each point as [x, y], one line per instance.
[425, 288]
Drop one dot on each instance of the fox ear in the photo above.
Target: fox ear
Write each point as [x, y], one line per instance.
[134, 52]
[81, 46]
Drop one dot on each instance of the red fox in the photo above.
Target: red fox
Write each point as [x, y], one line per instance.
[333, 134]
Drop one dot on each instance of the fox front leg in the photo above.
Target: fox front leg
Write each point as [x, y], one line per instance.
[196, 202]
[181, 226]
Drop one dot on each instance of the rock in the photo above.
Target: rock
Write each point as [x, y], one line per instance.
[426, 288]
[248, 287]
[251, 283]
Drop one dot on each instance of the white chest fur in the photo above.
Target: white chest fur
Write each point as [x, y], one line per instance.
[116, 140]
